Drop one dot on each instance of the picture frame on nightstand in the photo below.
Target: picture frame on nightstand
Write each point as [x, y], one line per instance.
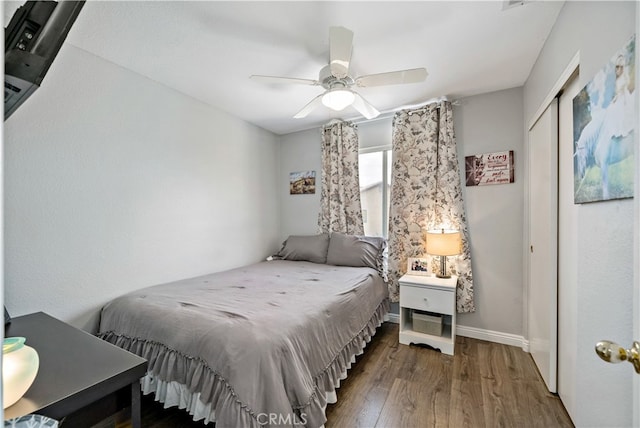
[418, 266]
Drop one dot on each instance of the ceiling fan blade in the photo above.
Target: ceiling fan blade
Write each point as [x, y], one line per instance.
[317, 101]
[413, 75]
[340, 45]
[363, 106]
[276, 79]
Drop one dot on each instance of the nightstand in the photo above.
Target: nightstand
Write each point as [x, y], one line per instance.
[428, 298]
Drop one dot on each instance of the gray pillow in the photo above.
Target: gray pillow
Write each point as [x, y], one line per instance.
[312, 248]
[357, 251]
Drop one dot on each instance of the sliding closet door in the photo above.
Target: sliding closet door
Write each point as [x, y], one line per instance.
[567, 253]
[543, 253]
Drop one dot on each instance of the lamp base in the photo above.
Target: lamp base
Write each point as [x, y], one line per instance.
[443, 268]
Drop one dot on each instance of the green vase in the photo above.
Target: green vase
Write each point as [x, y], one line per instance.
[19, 369]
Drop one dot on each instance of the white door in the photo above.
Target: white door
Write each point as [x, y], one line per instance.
[636, 246]
[636, 278]
[567, 253]
[543, 244]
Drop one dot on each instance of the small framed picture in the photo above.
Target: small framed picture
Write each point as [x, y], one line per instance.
[417, 266]
[302, 183]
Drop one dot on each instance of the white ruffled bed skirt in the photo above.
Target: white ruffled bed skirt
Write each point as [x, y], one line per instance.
[177, 394]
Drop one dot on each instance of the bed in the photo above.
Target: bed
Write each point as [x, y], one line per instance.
[261, 345]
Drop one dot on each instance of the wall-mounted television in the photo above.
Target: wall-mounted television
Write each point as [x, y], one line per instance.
[32, 40]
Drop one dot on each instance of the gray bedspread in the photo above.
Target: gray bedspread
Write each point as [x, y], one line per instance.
[262, 343]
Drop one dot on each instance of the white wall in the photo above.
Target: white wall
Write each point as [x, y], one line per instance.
[114, 182]
[604, 260]
[299, 151]
[483, 124]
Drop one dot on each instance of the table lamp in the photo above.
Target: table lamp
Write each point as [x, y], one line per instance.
[443, 243]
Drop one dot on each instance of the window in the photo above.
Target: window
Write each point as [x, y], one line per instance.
[375, 185]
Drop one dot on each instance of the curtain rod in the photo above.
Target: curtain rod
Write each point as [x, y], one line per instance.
[416, 107]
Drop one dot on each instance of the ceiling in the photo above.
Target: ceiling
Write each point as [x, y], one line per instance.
[208, 50]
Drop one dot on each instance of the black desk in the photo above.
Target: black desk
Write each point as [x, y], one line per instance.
[76, 370]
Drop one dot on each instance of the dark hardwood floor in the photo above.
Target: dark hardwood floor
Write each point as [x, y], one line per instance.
[391, 385]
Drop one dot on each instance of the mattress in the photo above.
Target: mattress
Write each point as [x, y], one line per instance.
[260, 345]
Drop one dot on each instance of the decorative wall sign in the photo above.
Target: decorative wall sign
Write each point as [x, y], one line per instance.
[489, 168]
[604, 129]
[302, 183]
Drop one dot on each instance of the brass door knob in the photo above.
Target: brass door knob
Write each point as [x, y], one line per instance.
[611, 352]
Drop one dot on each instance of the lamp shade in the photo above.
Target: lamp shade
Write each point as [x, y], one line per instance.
[338, 98]
[444, 242]
[19, 368]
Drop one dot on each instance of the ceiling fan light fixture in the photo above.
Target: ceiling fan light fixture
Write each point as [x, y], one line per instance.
[335, 78]
[337, 99]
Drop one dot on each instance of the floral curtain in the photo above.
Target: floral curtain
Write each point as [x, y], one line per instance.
[340, 209]
[426, 193]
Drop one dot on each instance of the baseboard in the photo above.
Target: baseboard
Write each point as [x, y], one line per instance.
[493, 336]
[479, 333]
[391, 317]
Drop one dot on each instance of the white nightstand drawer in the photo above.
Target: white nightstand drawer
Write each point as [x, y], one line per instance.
[431, 300]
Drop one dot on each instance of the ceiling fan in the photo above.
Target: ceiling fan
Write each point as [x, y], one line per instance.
[337, 82]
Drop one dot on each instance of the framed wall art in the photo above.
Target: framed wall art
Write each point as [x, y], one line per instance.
[604, 131]
[302, 183]
[489, 168]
